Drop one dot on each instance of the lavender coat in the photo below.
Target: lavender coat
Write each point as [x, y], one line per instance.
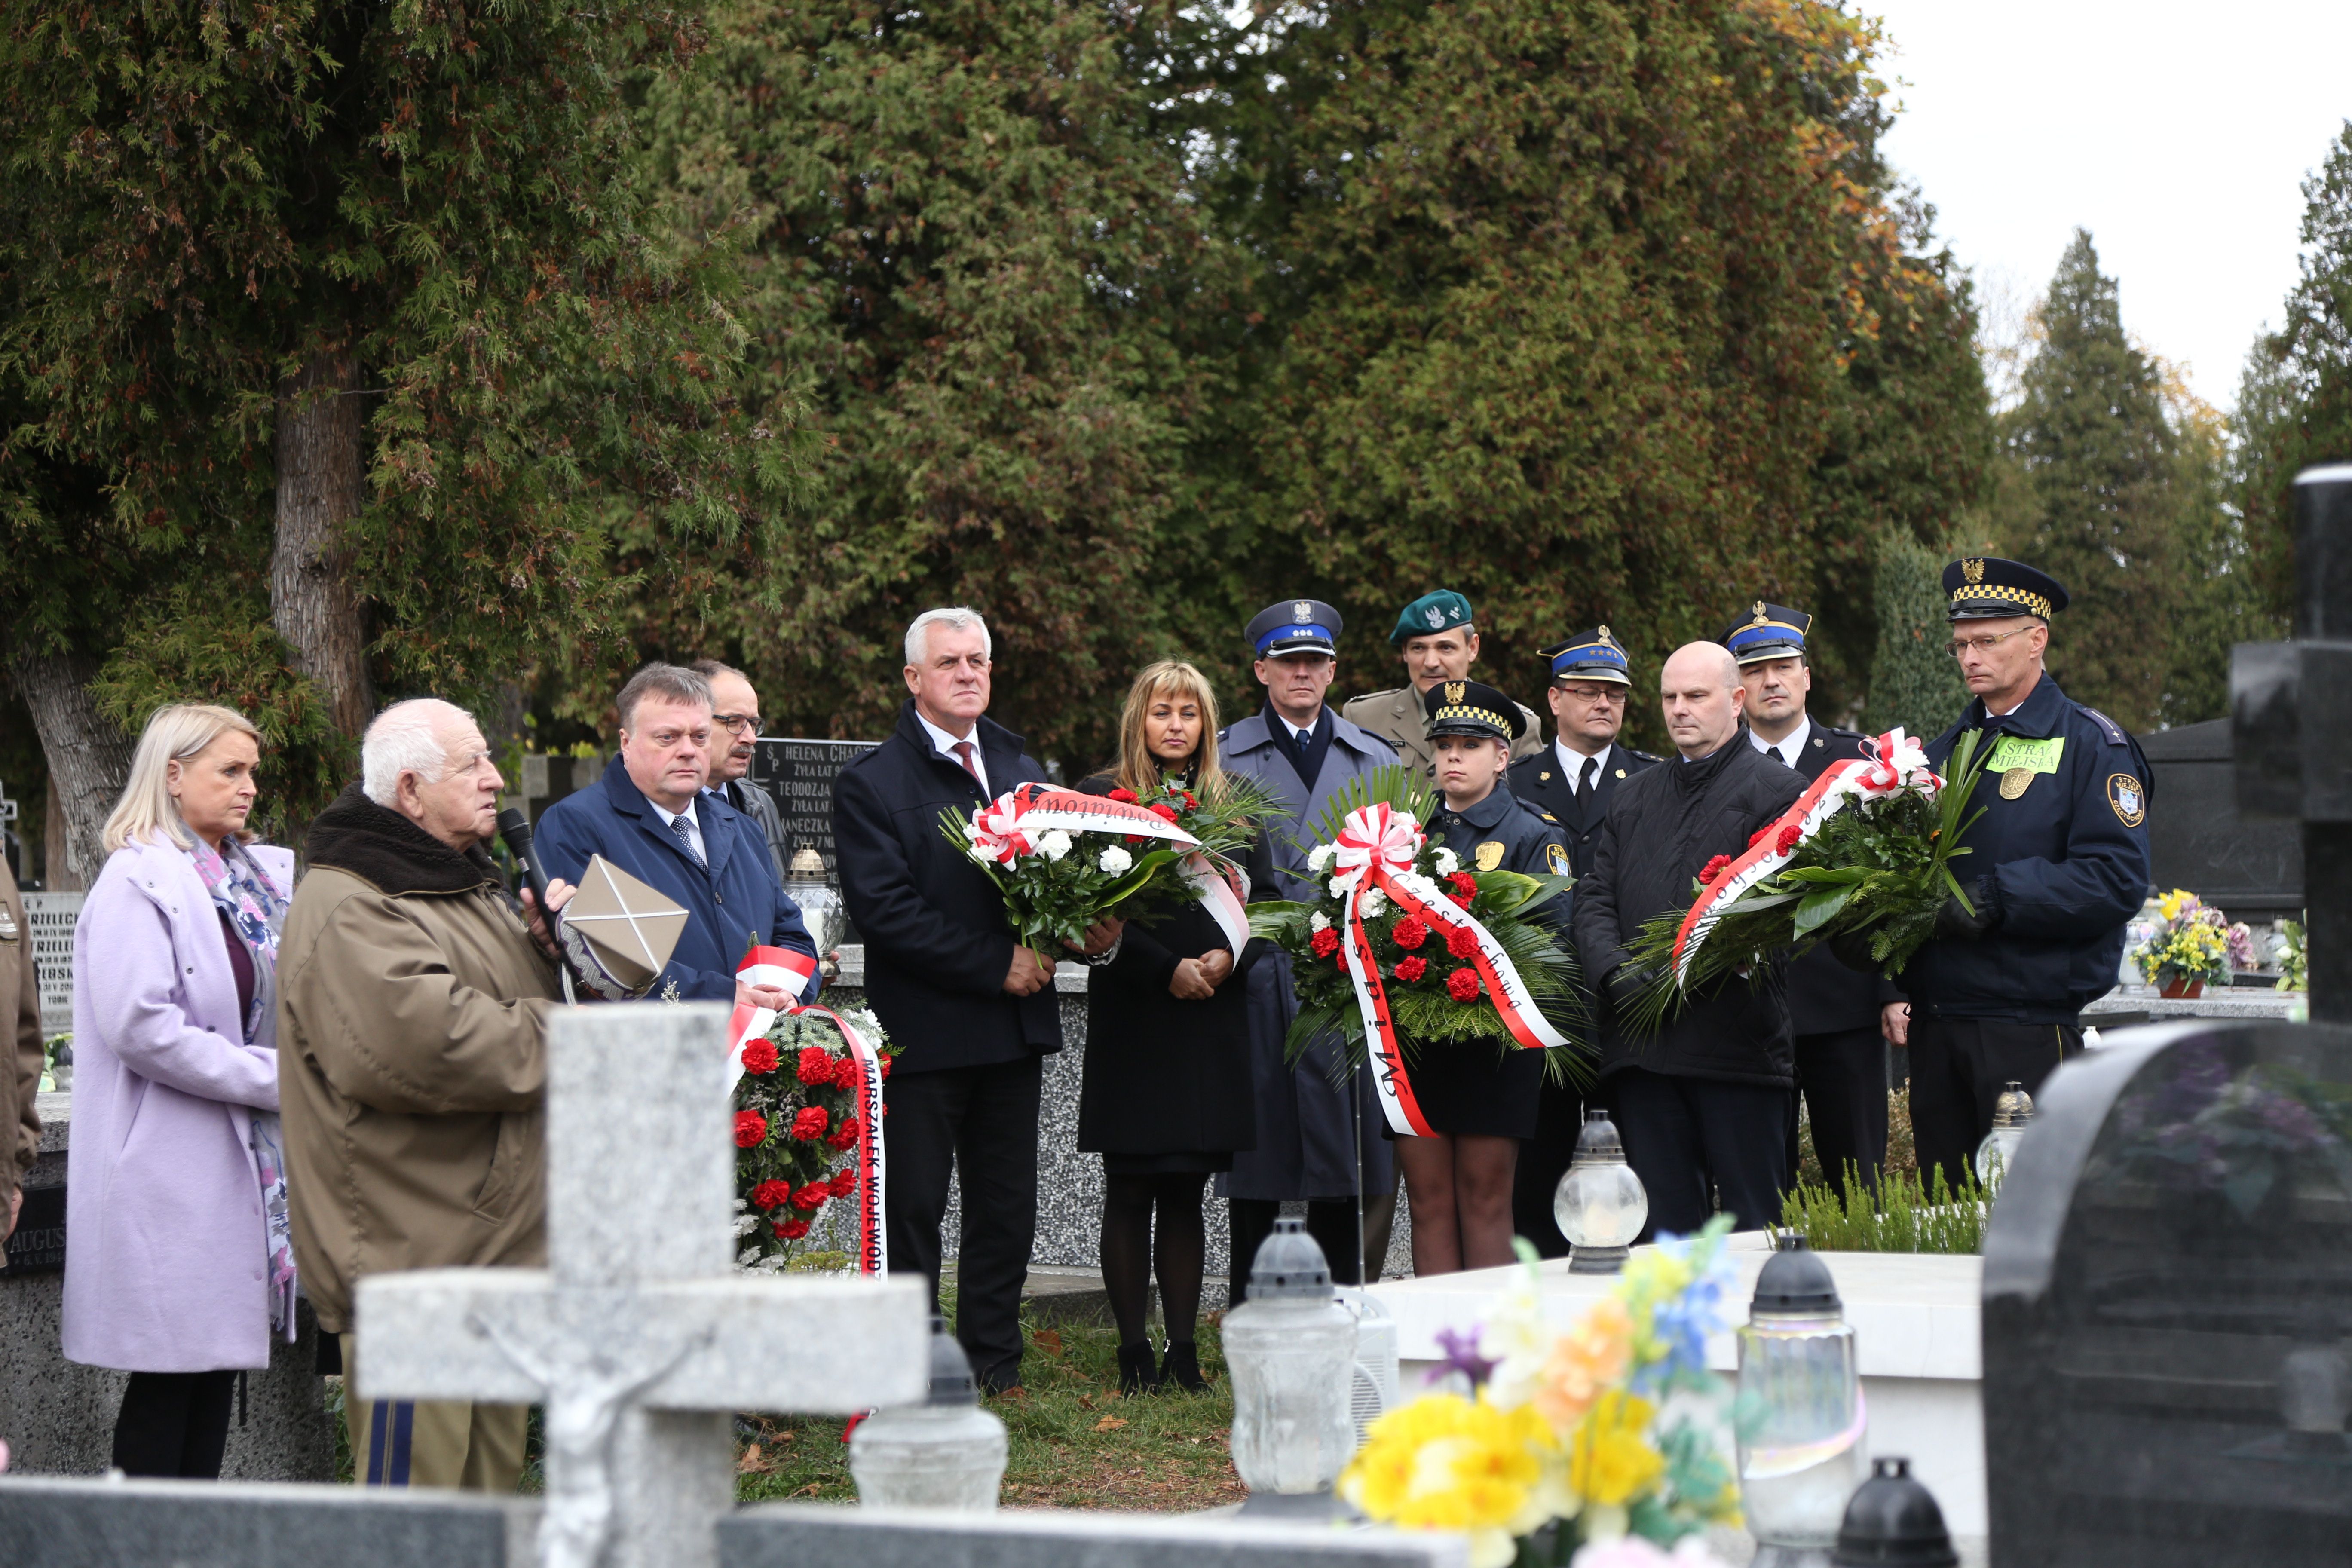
[166, 1250]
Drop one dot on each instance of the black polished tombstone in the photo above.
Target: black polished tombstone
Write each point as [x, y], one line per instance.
[800, 774]
[2251, 867]
[2168, 1307]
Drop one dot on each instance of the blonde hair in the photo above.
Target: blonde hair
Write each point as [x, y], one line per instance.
[176, 732]
[1139, 769]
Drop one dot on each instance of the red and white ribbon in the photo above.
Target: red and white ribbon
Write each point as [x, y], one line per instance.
[1377, 845]
[1896, 762]
[1010, 827]
[1223, 892]
[794, 974]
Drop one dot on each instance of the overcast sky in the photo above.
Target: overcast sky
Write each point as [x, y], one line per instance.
[2179, 134]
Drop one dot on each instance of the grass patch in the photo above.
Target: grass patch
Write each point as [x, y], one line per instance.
[1904, 1216]
[1076, 1443]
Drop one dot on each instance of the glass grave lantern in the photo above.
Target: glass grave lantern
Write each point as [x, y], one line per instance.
[1600, 1204]
[1291, 1348]
[1800, 1447]
[821, 907]
[1893, 1522]
[946, 1452]
[2010, 1115]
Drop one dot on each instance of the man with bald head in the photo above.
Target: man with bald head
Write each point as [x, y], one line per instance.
[1703, 1104]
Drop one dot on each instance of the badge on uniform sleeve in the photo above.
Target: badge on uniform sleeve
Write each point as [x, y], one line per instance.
[1556, 858]
[1488, 855]
[2128, 799]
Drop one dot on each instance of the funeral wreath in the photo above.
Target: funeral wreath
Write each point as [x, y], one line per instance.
[801, 1138]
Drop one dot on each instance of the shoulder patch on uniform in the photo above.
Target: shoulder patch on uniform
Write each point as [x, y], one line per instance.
[2115, 731]
[2129, 800]
[1556, 858]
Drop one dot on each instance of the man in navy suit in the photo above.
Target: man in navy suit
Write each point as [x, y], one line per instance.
[650, 817]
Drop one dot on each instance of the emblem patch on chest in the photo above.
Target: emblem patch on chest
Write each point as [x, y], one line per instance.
[2129, 800]
[2015, 781]
[1488, 855]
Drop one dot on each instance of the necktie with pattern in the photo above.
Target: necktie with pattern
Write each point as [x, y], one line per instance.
[684, 831]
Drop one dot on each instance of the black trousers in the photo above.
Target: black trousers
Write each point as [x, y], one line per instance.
[1959, 1068]
[1330, 1221]
[1843, 1077]
[1543, 1160]
[173, 1425]
[982, 1123]
[1695, 1141]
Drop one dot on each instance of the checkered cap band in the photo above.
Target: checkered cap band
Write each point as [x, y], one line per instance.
[2032, 603]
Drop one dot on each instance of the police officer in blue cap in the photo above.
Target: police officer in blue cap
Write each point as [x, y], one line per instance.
[2058, 862]
[1309, 1132]
[1840, 1016]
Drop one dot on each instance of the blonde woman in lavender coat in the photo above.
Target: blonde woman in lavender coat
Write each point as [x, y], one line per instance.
[180, 1269]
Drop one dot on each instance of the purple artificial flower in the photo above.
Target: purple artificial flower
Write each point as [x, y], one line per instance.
[1462, 1355]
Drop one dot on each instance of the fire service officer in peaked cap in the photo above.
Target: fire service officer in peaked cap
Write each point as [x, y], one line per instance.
[2058, 862]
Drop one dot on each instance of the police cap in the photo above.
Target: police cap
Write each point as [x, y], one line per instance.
[1767, 631]
[1589, 656]
[1472, 708]
[1296, 626]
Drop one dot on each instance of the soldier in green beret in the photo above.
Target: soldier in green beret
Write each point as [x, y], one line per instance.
[1438, 642]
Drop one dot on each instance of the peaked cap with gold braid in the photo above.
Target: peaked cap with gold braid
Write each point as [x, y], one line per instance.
[1981, 587]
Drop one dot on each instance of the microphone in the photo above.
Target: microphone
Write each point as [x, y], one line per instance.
[514, 830]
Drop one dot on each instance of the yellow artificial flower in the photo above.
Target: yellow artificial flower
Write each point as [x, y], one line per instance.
[2172, 903]
[1444, 1462]
[1584, 1363]
[1610, 1462]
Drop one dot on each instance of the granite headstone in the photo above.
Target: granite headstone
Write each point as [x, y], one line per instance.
[2168, 1307]
[800, 774]
[2252, 867]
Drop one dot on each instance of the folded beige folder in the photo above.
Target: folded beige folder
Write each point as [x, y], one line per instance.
[617, 932]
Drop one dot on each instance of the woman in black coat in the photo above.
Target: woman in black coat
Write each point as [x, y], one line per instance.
[1165, 1098]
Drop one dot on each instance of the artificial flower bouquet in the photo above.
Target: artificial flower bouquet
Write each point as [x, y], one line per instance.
[1864, 857]
[801, 1135]
[1607, 1443]
[1404, 949]
[2196, 946]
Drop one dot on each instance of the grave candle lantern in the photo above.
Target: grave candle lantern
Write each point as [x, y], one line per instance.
[946, 1452]
[1291, 1348]
[1600, 1204]
[2010, 1114]
[1894, 1522]
[1802, 1458]
[821, 908]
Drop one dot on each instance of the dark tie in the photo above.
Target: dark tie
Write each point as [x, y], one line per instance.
[1591, 780]
[685, 832]
[964, 755]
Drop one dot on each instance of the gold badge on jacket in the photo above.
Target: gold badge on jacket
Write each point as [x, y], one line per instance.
[2015, 781]
[2130, 802]
[1488, 855]
[1556, 858]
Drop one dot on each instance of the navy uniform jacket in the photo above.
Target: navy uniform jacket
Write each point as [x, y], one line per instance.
[1538, 780]
[1503, 833]
[1825, 996]
[2069, 859]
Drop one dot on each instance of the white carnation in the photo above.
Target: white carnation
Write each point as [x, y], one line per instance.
[1338, 888]
[1319, 861]
[1319, 920]
[1372, 904]
[1054, 844]
[1447, 862]
[1115, 860]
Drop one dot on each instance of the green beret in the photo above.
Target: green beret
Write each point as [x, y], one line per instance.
[1429, 614]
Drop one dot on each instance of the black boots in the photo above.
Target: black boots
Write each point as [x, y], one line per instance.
[1136, 1373]
[1182, 1367]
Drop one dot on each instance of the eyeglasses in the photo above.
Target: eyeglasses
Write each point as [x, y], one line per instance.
[1985, 643]
[736, 723]
[1595, 693]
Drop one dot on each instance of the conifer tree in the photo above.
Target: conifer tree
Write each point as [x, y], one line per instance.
[1912, 681]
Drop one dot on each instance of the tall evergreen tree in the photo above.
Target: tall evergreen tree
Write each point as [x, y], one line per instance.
[1912, 681]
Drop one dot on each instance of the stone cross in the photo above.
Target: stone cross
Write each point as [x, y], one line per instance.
[639, 1337]
[2291, 708]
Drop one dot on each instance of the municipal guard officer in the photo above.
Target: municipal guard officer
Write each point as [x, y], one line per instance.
[2058, 862]
[1481, 1101]
[1838, 1014]
[1573, 779]
[1437, 641]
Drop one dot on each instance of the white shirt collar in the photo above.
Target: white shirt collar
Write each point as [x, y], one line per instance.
[1300, 736]
[1573, 760]
[945, 745]
[1790, 747]
[668, 816]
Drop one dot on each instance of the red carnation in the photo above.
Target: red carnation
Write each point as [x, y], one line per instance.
[1411, 969]
[1135, 837]
[1191, 801]
[1463, 984]
[811, 1196]
[1340, 962]
[760, 1057]
[886, 1069]
[810, 1123]
[1324, 943]
[1712, 869]
[1126, 794]
[845, 1073]
[1757, 836]
[816, 1066]
[1790, 836]
[1408, 933]
[1462, 942]
[790, 1229]
[1465, 884]
[843, 1182]
[845, 1134]
[751, 1129]
[1162, 809]
[772, 1194]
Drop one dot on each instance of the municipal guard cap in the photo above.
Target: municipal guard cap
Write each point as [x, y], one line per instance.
[1433, 613]
[1589, 656]
[1296, 626]
[1472, 708]
[1767, 631]
[1983, 587]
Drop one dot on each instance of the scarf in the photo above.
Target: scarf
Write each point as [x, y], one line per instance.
[256, 911]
